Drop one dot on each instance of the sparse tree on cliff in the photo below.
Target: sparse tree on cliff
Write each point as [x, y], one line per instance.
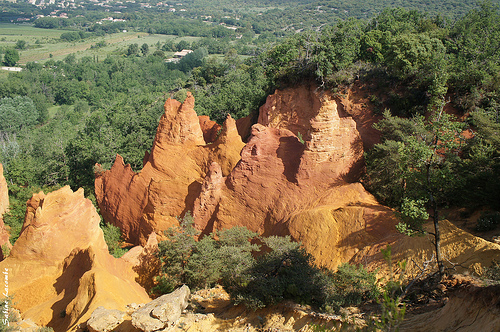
[413, 169]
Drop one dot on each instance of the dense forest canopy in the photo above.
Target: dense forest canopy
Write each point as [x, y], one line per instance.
[61, 117]
[258, 15]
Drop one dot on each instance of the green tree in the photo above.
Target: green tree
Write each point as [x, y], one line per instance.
[473, 43]
[16, 113]
[182, 45]
[481, 163]
[421, 155]
[11, 57]
[144, 49]
[133, 49]
[21, 44]
[410, 54]
[113, 237]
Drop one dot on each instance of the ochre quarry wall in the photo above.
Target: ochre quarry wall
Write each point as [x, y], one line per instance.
[59, 270]
[172, 176]
[296, 175]
[275, 184]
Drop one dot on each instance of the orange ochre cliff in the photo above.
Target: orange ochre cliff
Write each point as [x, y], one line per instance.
[59, 270]
[296, 175]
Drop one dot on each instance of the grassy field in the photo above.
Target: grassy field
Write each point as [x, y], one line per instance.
[44, 44]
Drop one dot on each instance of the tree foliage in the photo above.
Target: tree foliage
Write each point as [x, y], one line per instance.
[422, 154]
[257, 275]
[16, 113]
[11, 57]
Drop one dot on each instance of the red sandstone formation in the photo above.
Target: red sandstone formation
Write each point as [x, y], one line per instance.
[172, 176]
[295, 176]
[60, 270]
[209, 128]
[280, 185]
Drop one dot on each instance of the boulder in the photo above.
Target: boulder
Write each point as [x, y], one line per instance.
[105, 320]
[162, 312]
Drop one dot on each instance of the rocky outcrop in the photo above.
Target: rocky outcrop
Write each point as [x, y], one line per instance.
[297, 175]
[60, 266]
[292, 177]
[162, 312]
[283, 186]
[172, 176]
[145, 262]
[210, 129]
[105, 320]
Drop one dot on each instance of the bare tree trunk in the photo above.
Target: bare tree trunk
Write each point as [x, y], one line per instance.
[435, 217]
[437, 240]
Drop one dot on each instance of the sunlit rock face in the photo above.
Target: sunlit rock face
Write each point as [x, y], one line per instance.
[60, 270]
[173, 173]
[296, 175]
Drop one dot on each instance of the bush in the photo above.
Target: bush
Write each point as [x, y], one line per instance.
[174, 254]
[224, 260]
[215, 258]
[284, 273]
[493, 272]
[488, 221]
[350, 285]
[282, 269]
[112, 236]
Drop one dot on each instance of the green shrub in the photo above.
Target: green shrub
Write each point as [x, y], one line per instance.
[215, 258]
[174, 254]
[488, 221]
[282, 269]
[350, 285]
[112, 236]
[224, 260]
[493, 272]
[284, 273]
